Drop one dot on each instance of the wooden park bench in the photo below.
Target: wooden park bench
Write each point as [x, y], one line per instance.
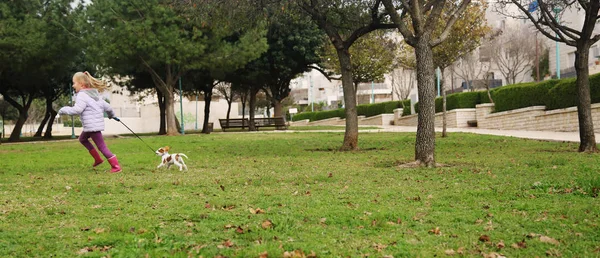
[277, 122]
[234, 123]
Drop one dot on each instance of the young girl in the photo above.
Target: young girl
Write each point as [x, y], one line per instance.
[91, 106]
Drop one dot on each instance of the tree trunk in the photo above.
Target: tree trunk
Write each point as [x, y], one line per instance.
[170, 111]
[228, 109]
[16, 133]
[40, 129]
[23, 109]
[351, 134]
[277, 108]
[162, 128]
[252, 108]
[425, 142]
[207, 100]
[584, 110]
[48, 133]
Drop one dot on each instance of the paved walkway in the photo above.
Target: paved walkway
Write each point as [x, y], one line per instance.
[538, 135]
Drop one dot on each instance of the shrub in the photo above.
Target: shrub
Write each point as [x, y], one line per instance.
[76, 121]
[405, 105]
[564, 94]
[522, 95]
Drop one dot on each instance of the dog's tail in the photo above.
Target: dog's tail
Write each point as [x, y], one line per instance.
[181, 154]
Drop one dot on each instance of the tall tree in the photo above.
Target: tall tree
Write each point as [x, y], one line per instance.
[24, 39]
[373, 56]
[424, 16]
[513, 52]
[547, 17]
[344, 21]
[174, 37]
[62, 56]
[294, 46]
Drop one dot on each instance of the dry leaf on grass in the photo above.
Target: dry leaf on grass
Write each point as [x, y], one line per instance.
[379, 247]
[519, 245]
[225, 244]
[450, 252]
[435, 231]
[257, 211]
[239, 230]
[299, 254]
[500, 245]
[546, 239]
[267, 224]
[493, 255]
[484, 238]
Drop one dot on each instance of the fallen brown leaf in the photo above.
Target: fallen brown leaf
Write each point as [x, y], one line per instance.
[435, 231]
[267, 224]
[239, 230]
[450, 252]
[500, 245]
[294, 254]
[264, 255]
[546, 239]
[519, 245]
[484, 238]
[379, 247]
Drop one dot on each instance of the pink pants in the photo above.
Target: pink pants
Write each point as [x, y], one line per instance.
[98, 140]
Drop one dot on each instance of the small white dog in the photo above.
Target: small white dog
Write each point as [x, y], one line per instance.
[170, 159]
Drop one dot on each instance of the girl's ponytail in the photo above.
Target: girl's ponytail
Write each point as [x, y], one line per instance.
[92, 82]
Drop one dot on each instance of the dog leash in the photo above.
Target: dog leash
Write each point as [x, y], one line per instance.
[117, 119]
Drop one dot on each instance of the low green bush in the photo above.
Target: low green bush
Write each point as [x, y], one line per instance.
[564, 94]
[554, 94]
[76, 121]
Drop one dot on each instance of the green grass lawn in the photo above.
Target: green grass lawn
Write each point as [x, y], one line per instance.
[271, 193]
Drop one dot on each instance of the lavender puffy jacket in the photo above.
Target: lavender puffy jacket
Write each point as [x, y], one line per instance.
[91, 107]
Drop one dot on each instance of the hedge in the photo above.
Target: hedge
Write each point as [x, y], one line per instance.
[554, 94]
[362, 110]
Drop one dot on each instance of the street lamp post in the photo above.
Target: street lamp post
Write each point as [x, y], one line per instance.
[437, 75]
[72, 118]
[311, 95]
[556, 10]
[372, 92]
[181, 106]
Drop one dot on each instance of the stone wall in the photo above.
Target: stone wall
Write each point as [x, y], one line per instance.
[456, 118]
[534, 119]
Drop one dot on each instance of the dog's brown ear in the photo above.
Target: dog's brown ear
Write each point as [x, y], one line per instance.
[167, 148]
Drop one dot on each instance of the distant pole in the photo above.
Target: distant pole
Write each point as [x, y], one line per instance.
[537, 59]
[196, 111]
[372, 92]
[72, 119]
[181, 105]
[312, 95]
[437, 73]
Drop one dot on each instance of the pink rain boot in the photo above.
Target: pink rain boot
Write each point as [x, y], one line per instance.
[97, 159]
[114, 164]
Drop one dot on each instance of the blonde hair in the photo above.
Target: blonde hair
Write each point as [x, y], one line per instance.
[90, 82]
